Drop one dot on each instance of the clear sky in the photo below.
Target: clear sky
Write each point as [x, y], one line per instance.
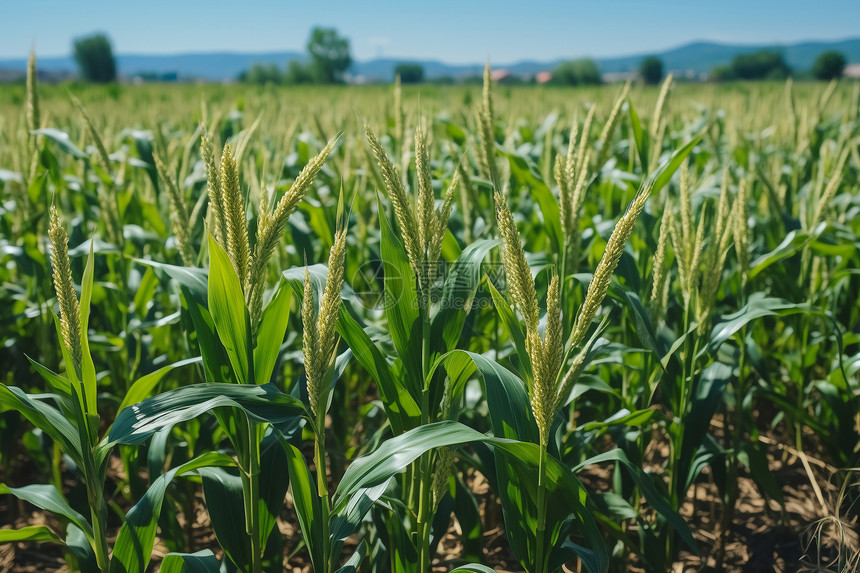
[455, 31]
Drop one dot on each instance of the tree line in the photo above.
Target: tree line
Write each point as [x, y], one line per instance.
[771, 65]
[329, 58]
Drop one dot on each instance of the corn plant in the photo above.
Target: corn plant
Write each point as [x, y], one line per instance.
[71, 416]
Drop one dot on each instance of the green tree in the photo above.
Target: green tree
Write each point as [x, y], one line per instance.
[651, 70]
[94, 56]
[297, 74]
[410, 73]
[262, 74]
[762, 65]
[829, 65]
[329, 55]
[576, 73]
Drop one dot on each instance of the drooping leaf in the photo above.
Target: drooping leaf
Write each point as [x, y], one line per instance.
[29, 533]
[395, 454]
[199, 562]
[759, 305]
[791, 244]
[46, 497]
[265, 403]
[63, 141]
[44, 416]
[136, 538]
[643, 481]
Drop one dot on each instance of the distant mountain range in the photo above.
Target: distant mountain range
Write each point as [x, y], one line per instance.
[696, 58]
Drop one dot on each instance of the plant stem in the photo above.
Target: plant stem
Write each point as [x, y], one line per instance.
[322, 490]
[424, 523]
[540, 532]
[687, 372]
[736, 436]
[251, 486]
[424, 474]
[99, 532]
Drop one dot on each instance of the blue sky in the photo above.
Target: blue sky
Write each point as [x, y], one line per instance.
[449, 30]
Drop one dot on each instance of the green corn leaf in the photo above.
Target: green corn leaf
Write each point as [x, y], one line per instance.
[143, 386]
[473, 568]
[136, 538]
[643, 481]
[401, 307]
[199, 562]
[402, 409]
[348, 520]
[223, 493]
[195, 291]
[273, 326]
[626, 418]
[514, 329]
[45, 417]
[759, 305]
[469, 517]
[664, 172]
[458, 292]
[640, 136]
[793, 242]
[47, 497]
[29, 533]
[707, 396]
[567, 496]
[352, 564]
[227, 305]
[82, 548]
[308, 505]
[58, 383]
[507, 401]
[526, 175]
[88, 369]
[274, 482]
[63, 141]
[645, 330]
[264, 403]
[145, 292]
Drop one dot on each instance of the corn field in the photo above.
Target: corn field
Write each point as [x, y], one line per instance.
[426, 329]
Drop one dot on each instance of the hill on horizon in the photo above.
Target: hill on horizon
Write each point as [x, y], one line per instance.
[695, 57]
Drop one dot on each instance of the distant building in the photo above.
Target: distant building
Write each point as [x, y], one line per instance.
[48, 77]
[543, 77]
[501, 75]
[852, 71]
